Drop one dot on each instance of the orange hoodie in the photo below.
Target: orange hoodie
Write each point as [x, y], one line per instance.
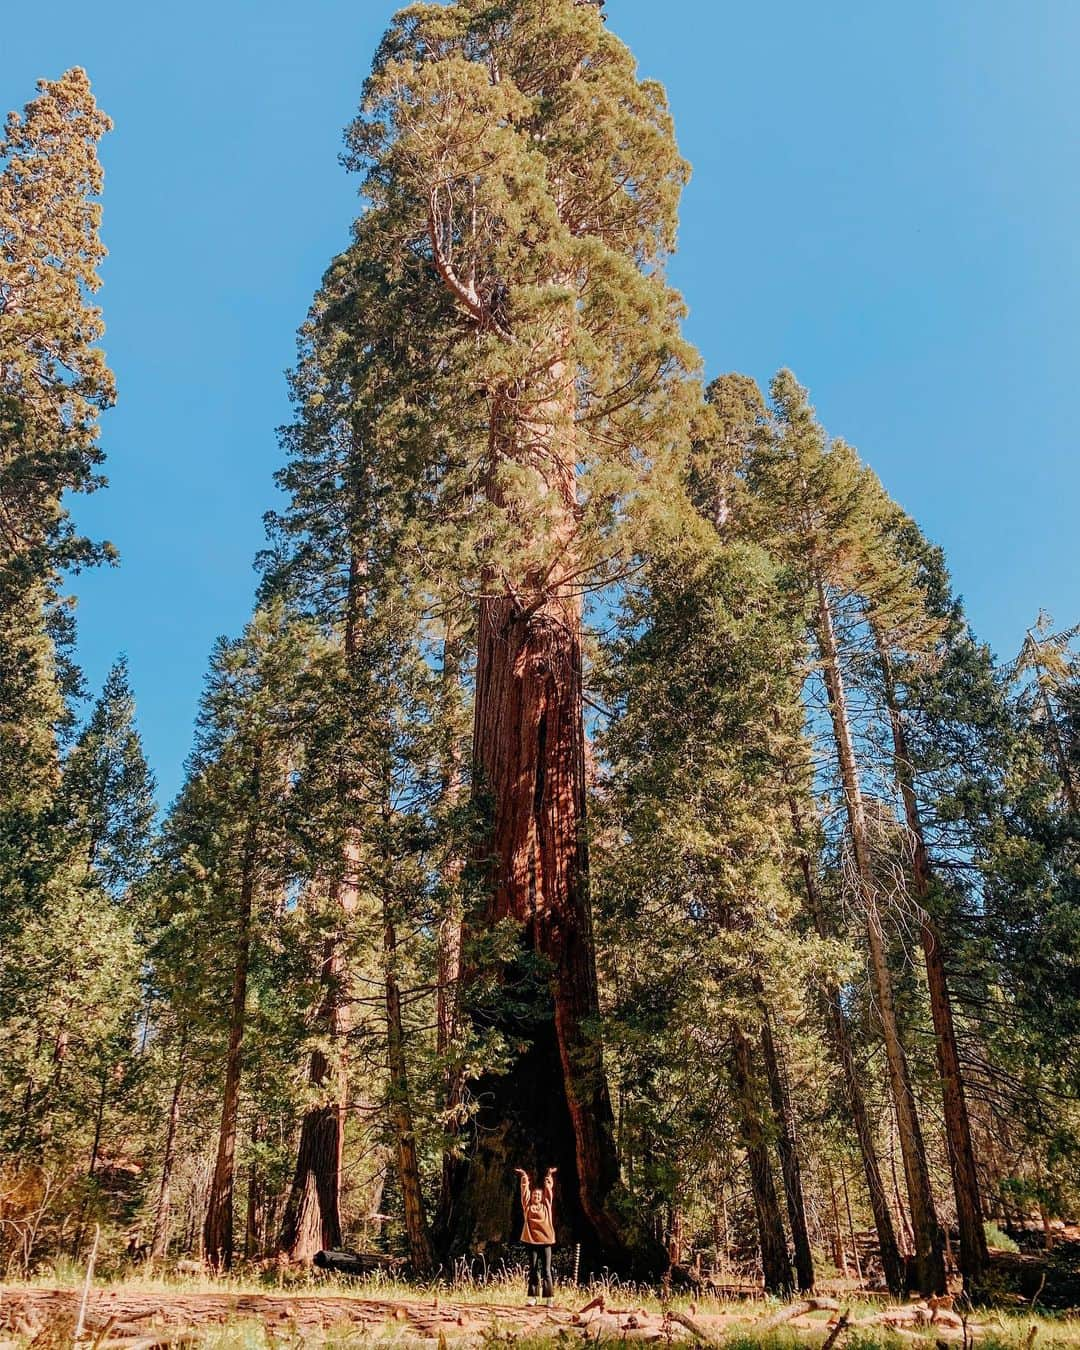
[539, 1207]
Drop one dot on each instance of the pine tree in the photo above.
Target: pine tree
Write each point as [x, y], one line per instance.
[692, 828]
[53, 378]
[817, 509]
[108, 789]
[731, 438]
[228, 862]
[336, 556]
[53, 384]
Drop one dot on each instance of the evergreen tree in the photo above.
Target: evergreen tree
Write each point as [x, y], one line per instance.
[693, 825]
[108, 790]
[817, 511]
[53, 384]
[516, 154]
[54, 381]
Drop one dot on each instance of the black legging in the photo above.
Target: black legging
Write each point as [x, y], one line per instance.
[540, 1264]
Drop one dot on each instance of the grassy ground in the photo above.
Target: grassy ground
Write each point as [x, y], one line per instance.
[510, 1323]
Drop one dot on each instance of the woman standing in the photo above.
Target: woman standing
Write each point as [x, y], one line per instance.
[538, 1232]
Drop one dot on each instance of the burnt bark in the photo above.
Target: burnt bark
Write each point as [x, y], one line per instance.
[929, 1237]
[974, 1254]
[775, 1262]
[309, 1222]
[218, 1224]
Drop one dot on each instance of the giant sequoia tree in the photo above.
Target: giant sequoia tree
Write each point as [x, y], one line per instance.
[513, 149]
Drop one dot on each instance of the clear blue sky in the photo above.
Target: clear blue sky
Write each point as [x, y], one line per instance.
[885, 198]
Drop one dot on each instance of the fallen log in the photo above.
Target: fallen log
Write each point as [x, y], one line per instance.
[347, 1262]
[695, 1328]
[796, 1310]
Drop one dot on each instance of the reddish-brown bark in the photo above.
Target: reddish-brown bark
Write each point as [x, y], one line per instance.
[529, 770]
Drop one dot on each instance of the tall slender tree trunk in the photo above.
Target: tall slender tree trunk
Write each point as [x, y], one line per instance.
[401, 1114]
[450, 936]
[159, 1245]
[898, 1199]
[775, 1262]
[839, 1257]
[929, 1238]
[99, 1120]
[974, 1255]
[891, 1262]
[553, 1107]
[851, 1222]
[218, 1224]
[311, 1219]
[790, 1163]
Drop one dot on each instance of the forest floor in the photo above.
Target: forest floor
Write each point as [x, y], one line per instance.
[145, 1314]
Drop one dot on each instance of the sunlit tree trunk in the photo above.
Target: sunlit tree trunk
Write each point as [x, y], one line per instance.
[775, 1262]
[790, 1163]
[159, 1245]
[891, 1260]
[401, 1114]
[929, 1238]
[974, 1255]
[218, 1225]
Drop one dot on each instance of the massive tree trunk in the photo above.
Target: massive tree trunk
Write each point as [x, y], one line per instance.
[401, 1116]
[553, 1107]
[974, 1255]
[775, 1262]
[790, 1164]
[929, 1237]
[218, 1225]
[891, 1261]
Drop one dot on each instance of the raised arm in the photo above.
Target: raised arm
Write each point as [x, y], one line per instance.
[549, 1184]
[525, 1187]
